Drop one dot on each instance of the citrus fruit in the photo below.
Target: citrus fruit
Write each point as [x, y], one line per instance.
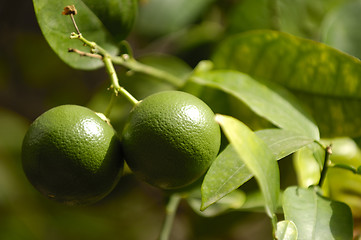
[170, 139]
[72, 155]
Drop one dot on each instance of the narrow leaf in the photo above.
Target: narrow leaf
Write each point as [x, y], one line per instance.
[317, 217]
[267, 100]
[258, 158]
[325, 79]
[286, 230]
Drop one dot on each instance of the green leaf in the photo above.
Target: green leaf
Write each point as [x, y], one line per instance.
[228, 171]
[307, 167]
[267, 100]
[326, 80]
[286, 230]
[226, 174]
[304, 18]
[117, 16]
[258, 158]
[317, 217]
[249, 15]
[57, 28]
[160, 17]
[283, 142]
[339, 27]
[232, 201]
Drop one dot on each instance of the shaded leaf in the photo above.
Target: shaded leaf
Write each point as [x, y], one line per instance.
[159, 17]
[286, 230]
[258, 158]
[249, 15]
[326, 80]
[339, 28]
[304, 18]
[267, 100]
[317, 217]
[117, 16]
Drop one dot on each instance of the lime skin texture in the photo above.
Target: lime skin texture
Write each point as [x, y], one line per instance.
[71, 155]
[170, 139]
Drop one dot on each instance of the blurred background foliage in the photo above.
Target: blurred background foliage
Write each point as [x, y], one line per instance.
[173, 35]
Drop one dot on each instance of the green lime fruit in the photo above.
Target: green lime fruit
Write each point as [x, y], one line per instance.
[72, 155]
[170, 139]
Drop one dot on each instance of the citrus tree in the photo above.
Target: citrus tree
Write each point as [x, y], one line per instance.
[236, 109]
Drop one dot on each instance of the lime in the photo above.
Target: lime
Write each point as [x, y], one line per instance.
[170, 139]
[71, 155]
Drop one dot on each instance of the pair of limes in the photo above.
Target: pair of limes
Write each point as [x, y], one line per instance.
[74, 156]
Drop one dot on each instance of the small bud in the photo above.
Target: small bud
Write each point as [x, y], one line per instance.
[69, 10]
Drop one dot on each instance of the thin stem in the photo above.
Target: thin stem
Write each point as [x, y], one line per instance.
[274, 225]
[171, 211]
[110, 105]
[328, 152]
[74, 23]
[85, 54]
[126, 61]
[344, 166]
[129, 62]
[115, 82]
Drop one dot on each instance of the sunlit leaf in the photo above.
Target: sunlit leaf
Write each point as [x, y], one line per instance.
[226, 174]
[317, 217]
[228, 171]
[307, 167]
[267, 100]
[283, 142]
[258, 158]
[286, 230]
[326, 80]
[232, 201]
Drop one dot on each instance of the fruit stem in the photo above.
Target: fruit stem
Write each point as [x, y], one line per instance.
[328, 152]
[344, 166]
[171, 210]
[129, 62]
[115, 82]
[110, 105]
[274, 221]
